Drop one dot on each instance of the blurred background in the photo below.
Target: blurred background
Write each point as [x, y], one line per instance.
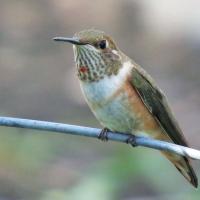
[37, 80]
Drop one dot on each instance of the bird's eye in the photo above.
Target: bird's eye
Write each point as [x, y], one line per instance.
[102, 44]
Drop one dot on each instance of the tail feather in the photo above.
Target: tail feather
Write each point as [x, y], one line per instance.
[184, 167]
[187, 171]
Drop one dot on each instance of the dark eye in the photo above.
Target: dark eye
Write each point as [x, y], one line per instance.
[102, 44]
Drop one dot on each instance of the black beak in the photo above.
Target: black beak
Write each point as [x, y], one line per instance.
[75, 41]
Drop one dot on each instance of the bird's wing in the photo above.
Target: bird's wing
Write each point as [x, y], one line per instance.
[157, 104]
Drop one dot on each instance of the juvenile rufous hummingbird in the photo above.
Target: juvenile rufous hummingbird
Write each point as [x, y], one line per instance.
[122, 96]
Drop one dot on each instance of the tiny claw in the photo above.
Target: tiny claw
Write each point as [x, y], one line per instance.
[103, 134]
[131, 140]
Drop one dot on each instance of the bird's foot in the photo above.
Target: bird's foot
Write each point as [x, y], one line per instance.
[131, 140]
[103, 134]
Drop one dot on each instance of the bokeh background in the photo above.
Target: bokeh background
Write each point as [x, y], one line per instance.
[37, 80]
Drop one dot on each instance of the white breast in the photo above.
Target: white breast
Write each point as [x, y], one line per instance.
[101, 90]
[112, 114]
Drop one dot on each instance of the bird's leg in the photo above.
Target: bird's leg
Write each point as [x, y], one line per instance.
[104, 134]
[131, 140]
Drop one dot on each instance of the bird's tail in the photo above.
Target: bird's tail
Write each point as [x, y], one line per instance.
[184, 167]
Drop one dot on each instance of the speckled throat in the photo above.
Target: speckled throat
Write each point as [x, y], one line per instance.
[93, 65]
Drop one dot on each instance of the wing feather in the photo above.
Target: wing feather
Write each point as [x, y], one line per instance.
[157, 104]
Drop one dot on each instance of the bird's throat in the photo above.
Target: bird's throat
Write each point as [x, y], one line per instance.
[93, 65]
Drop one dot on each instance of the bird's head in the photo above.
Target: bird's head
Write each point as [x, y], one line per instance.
[96, 54]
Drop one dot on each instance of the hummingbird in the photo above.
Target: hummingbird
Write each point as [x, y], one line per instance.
[123, 96]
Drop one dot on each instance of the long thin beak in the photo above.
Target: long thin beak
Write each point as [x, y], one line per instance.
[75, 41]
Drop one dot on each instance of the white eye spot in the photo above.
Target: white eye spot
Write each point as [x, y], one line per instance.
[107, 44]
[116, 53]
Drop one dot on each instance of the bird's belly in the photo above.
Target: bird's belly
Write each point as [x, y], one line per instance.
[115, 111]
[117, 105]
[109, 101]
[116, 115]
